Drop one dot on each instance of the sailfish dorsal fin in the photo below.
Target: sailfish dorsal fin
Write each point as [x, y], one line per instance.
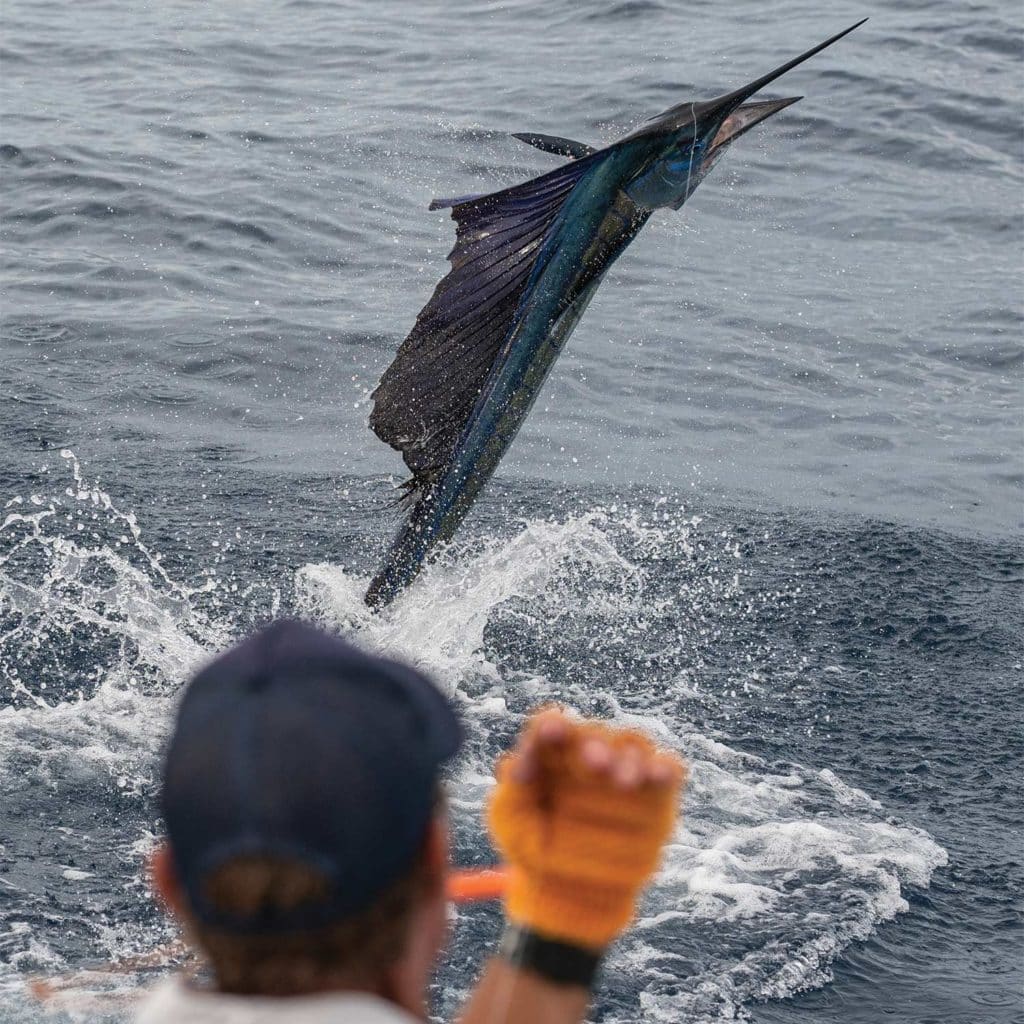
[426, 395]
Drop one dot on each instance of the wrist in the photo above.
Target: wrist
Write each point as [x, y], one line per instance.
[571, 910]
[555, 960]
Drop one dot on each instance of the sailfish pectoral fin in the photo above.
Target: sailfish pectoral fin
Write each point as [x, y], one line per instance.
[555, 144]
[426, 396]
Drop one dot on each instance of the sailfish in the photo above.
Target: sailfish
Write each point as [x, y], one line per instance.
[527, 260]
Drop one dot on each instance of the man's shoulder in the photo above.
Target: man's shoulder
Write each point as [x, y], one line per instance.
[175, 1002]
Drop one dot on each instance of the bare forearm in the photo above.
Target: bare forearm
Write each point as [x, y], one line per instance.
[507, 994]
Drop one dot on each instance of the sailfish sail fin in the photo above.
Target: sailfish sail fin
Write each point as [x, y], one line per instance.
[426, 395]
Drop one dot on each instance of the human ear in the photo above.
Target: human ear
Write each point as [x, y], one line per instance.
[435, 851]
[163, 879]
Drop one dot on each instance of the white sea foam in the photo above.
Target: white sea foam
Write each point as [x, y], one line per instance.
[797, 877]
[774, 871]
[439, 623]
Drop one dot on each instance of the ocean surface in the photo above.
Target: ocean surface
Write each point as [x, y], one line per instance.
[768, 506]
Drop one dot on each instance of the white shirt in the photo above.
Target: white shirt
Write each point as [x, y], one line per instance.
[174, 1002]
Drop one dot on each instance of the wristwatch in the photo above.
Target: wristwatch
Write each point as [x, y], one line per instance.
[559, 962]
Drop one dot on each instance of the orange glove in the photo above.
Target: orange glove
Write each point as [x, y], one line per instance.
[580, 814]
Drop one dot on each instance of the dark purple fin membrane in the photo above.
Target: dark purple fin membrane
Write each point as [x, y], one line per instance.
[426, 395]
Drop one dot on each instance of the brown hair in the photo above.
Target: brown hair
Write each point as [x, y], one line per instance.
[354, 953]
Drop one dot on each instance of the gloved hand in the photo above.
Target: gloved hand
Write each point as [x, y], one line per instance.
[580, 814]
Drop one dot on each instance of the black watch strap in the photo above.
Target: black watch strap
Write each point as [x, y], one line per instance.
[558, 962]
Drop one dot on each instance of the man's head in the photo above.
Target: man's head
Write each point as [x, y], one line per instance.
[306, 843]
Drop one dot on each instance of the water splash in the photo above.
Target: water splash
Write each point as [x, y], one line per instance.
[776, 869]
[74, 574]
[645, 615]
[439, 624]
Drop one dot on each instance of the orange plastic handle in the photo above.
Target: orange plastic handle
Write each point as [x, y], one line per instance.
[472, 884]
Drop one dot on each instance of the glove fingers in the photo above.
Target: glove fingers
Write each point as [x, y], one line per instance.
[515, 824]
[580, 813]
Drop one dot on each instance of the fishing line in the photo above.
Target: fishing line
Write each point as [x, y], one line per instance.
[689, 165]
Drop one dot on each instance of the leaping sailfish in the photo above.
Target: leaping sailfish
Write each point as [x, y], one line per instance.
[526, 262]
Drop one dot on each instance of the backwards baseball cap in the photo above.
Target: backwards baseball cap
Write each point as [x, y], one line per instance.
[297, 745]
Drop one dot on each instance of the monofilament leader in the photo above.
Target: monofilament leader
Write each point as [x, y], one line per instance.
[526, 262]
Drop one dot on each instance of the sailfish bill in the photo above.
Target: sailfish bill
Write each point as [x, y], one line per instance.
[526, 262]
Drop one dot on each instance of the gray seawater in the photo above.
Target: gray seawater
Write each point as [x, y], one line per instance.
[768, 505]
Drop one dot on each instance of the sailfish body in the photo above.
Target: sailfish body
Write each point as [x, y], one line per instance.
[526, 262]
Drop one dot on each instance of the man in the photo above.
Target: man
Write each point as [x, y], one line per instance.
[307, 843]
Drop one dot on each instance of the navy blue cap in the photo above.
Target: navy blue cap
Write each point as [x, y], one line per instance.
[296, 744]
